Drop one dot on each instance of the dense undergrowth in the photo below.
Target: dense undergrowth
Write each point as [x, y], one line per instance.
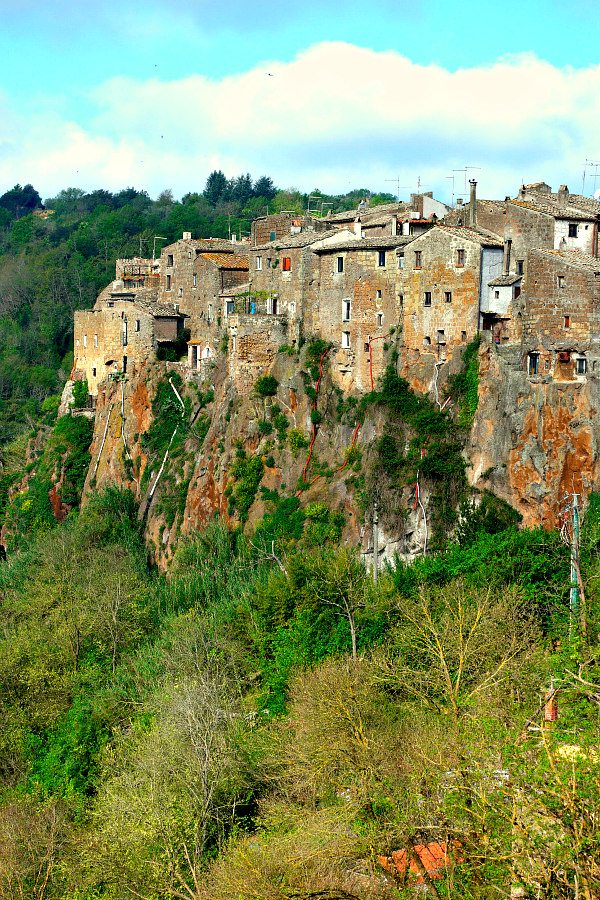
[265, 724]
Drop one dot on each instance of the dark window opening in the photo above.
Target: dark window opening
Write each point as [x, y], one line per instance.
[448, 296]
[567, 321]
[170, 259]
[533, 363]
[460, 257]
[520, 265]
[427, 301]
[381, 258]
[418, 259]
[340, 263]
[572, 229]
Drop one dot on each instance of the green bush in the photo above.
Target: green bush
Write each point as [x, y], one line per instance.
[80, 394]
[266, 386]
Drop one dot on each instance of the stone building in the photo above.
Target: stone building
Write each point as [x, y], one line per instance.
[122, 331]
[277, 226]
[178, 266]
[253, 340]
[561, 315]
[537, 219]
[443, 281]
[357, 306]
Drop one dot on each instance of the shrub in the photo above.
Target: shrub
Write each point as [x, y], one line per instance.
[296, 440]
[80, 394]
[266, 386]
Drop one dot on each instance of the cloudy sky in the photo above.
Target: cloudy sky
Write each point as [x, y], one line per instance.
[377, 94]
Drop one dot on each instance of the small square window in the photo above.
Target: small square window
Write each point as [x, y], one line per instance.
[448, 296]
[401, 299]
[378, 295]
[567, 321]
[401, 261]
[286, 264]
[272, 236]
[169, 259]
[418, 259]
[581, 365]
[427, 298]
[463, 335]
[573, 229]
[441, 337]
[379, 320]
[520, 266]
[460, 257]
[168, 288]
[259, 263]
[346, 310]
[345, 340]
[94, 372]
[381, 258]
[427, 341]
[496, 295]
[560, 280]
[137, 324]
[180, 292]
[340, 264]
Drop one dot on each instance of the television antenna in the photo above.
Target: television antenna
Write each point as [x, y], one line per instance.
[465, 170]
[396, 181]
[590, 164]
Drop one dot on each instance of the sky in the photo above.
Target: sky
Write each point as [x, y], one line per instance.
[387, 94]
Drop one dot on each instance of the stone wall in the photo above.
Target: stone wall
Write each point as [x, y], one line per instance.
[253, 341]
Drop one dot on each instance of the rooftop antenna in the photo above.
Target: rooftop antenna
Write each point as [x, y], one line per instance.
[157, 237]
[316, 197]
[451, 178]
[465, 170]
[396, 181]
[590, 164]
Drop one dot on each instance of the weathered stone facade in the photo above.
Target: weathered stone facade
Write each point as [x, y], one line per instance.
[252, 344]
[278, 226]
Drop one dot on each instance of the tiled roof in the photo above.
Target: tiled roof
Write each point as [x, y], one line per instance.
[505, 280]
[479, 235]
[552, 208]
[227, 260]
[435, 857]
[297, 240]
[575, 258]
[381, 242]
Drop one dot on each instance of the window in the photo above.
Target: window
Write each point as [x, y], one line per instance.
[460, 257]
[496, 295]
[379, 320]
[85, 340]
[418, 259]
[520, 266]
[346, 310]
[427, 341]
[94, 372]
[567, 321]
[169, 259]
[286, 264]
[427, 301]
[194, 280]
[573, 229]
[180, 292]
[560, 280]
[189, 254]
[441, 337]
[272, 236]
[533, 363]
[463, 335]
[381, 258]
[95, 340]
[168, 288]
[259, 263]
[340, 264]
[378, 295]
[581, 365]
[401, 260]
[448, 296]
[346, 340]
[137, 324]
[401, 299]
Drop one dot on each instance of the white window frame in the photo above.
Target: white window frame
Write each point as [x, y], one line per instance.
[258, 266]
[345, 340]
[346, 310]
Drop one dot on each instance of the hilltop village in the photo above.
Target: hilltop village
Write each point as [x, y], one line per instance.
[420, 280]
[522, 272]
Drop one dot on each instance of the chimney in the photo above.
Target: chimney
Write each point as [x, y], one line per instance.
[473, 203]
[187, 235]
[506, 257]
[563, 195]
[394, 230]
[357, 227]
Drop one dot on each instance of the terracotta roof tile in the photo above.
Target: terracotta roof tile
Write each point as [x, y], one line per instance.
[227, 260]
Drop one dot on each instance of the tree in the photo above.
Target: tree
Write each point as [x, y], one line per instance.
[216, 187]
[264, 187]
[20, 201]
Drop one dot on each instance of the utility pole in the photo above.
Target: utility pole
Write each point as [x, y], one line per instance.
[375, 540]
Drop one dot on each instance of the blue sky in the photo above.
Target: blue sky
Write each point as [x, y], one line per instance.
[141, 92]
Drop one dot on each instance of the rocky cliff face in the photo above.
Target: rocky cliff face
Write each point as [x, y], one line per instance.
[531, 442]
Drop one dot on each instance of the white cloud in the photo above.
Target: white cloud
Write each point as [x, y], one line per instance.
[337, 116]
